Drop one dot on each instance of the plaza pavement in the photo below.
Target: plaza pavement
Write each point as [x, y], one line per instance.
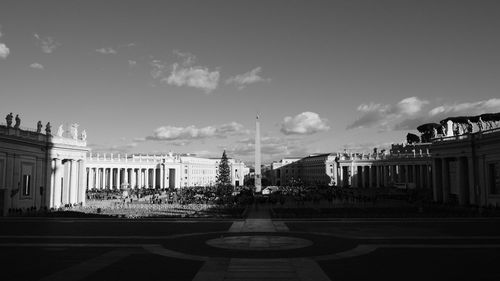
[257, 248]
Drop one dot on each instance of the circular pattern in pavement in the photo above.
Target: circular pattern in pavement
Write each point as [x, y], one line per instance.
[264, 244]
[259, 242]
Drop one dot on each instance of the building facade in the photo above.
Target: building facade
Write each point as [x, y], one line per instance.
[317, 169]
[108, 171]
[467, 168]
[461, 168]
[39, 169]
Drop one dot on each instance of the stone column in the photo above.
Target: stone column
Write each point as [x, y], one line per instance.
[394, 174]
[386, 175]
[370, 176]
[133, 179]
[414, 174]
[401, 175]
[429, 172]
[437, 179]
[57, 183]
[52, 186]
[111, 178]
[117, 177]
[445, 171]
[420, 182]
[73, 184]
[146, 178]
[472, 190]
[97, 178]
[126, 176]
[377, 176]
[89, 182]
[341, 176]
[141, 178]
[462, 181]
[162, 176]
[154, 178]
[82, 182]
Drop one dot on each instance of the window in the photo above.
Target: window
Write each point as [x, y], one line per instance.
[494, 178]
[26, 185]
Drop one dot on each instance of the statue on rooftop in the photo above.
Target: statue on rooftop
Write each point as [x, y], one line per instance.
[83, 137]
[479, 124]
[8, 118]
[18, 122]
[74, 131]
[39, 127]
[60, 131]
[470, 126]
[48, 129]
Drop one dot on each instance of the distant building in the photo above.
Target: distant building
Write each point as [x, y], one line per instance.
[108, 171]
[459, 169]
[319, 169]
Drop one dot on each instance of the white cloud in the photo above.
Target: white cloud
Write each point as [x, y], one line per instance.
[467, 108]
[48, 44]
[172, 133]
[196, 77]
[185, 73]
[188, 58]
[305, 123]
[4, 51]
[118, 148]
[132, 62]
[158, 68]
[107, 51]
[384, 115]
[36, 65]
[271, 147]
[247, 78]
[409, 113]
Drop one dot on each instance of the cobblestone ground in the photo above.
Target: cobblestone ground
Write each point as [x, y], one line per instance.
[256, 248]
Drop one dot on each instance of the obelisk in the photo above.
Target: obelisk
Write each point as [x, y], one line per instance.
[258, 185]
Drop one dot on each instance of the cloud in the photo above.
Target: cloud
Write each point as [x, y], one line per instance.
[4, 51]
[383, 115]
[409, 113]
[365, 147]
[158, 68]
[247, 78]
[305, 123]
[48, 44]
[36, 65]
[467, 108]
[172, 133]
[119, 148]
[132, 62]
[188, 58]
[107, 51]
[195, 76]
[185, 73]
[271, 147]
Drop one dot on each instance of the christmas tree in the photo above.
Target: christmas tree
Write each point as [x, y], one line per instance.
[224, 172]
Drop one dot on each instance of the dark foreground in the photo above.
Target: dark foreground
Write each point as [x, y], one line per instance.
[368, 249]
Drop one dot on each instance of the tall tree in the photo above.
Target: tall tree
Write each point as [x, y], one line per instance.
[224, 172]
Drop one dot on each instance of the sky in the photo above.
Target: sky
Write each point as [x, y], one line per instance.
[190, 76]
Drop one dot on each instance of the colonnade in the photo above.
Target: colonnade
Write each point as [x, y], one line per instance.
[67, 180]
[382, 175]
[453, 180]
[115, 178]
